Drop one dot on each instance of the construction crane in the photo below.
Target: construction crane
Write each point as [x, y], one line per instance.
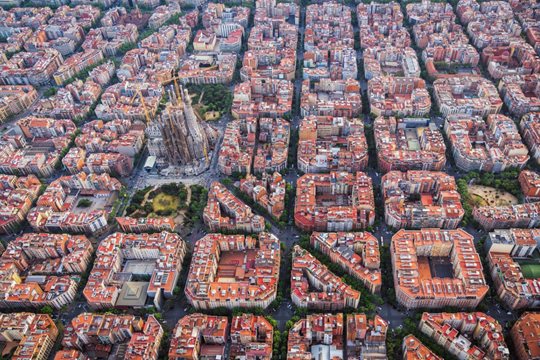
[141, 97]
[205, 151]
[176, 86]
[176, 78]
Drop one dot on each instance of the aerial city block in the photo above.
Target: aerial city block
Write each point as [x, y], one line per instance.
[270, 179]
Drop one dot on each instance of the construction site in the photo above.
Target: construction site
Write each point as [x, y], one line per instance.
[178, 138]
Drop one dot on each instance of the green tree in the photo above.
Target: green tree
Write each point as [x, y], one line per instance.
[50, 92]
[84, 203]
[47, 309]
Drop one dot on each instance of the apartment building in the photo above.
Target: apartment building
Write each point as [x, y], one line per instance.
[492, 145]
[435, 268]
[162, 14]
[504, 249]
[381, 24]
[413, 349]
[408, 144]
[34, 146]
[315, 287]
[43, 269]
[318, 335]
[224, 211]
[207, 68]
[197, 336]
[521, 93]
[337, 201]
[489, 24]
[329, 43]
[117, 260]
[14, 99]
[518, 58]
[366, 338]
[31, 68]
[145, 224]
[110, 38]
[228, 23]
[455, 333]
[525, 335]
[74, 101]
[252, 337]
[102, 74]
[130, 100]
[421, 199]
[504, 217]
[269, 192]
[255, 145]
[61, 206]
[357, 254]
[390, 61]
[116, 136]
[234, 271]
[529, 181]
[398, 96]
[327, 97]
[238, 146]
[328, 143]
[33, 334]
[525, 13]
[271, 50]
[530, 130]
[17, 194]
[469, 95]
[100, 336]
[260, 97]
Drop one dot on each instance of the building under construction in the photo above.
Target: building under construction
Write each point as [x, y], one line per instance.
[177, 137]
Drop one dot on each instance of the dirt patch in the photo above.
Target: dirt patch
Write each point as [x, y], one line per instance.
[164, 202]
[488, 196]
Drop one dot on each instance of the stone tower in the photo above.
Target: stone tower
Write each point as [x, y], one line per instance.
[185, 138]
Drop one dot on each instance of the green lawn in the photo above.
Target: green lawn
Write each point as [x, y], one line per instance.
[164, 202]
[530, 271]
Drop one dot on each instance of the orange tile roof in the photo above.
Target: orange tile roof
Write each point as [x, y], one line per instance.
[466, 288]
[166, 250]
[223, 266]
